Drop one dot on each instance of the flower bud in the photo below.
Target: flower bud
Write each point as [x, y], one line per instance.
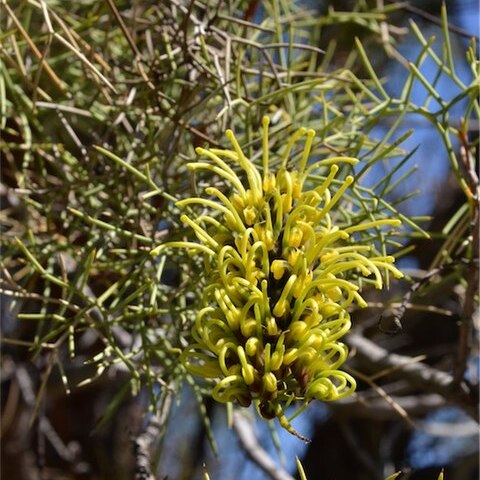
[269, 382]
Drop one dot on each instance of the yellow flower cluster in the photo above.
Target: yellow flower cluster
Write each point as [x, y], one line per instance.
[278, 279]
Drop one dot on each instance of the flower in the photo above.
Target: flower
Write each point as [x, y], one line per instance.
[280, 277]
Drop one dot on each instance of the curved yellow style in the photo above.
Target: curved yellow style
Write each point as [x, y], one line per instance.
[281, 277]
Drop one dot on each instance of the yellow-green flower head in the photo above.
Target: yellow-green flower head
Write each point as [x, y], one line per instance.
[280, 277]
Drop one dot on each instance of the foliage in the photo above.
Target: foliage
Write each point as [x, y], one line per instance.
[102, 105]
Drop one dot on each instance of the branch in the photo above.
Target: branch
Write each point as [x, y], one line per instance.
[465, 333]
[379, 409]
[254, 450]
[143, 444]
[417, 374]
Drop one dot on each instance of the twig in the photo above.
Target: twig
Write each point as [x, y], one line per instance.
[387, 398]
[358, 451]
[144, 443]
[45, 430]
[434, 19]
[138, 56]
[400, 312]
[417, 374]
[53, 76]
[465, 337]
[378, 409]
[254, 450]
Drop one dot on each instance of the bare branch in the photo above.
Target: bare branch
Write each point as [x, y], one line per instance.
[417, 374]
[254, 450]
[465, 333]
[378, 409]
[144, 443]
